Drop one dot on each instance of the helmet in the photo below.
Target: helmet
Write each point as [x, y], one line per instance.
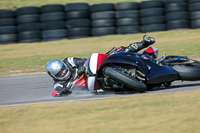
[58, 69]
[152, 51]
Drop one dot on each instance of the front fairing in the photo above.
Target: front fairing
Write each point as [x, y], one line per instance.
[128, 58]
[159, 73]
[154, 72]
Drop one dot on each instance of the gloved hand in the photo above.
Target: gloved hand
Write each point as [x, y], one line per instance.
[148, 40]
[57, 92]
[81, 71]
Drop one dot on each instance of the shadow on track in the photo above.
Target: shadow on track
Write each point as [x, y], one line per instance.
[184, 85]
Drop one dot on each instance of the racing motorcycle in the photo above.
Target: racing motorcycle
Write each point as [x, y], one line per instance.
[127, 71]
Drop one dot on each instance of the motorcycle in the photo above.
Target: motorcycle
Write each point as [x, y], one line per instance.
[127, 71]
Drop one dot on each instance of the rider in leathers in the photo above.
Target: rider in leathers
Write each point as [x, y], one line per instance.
[69, 73]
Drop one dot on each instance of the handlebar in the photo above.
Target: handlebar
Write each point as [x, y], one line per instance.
[111, 51]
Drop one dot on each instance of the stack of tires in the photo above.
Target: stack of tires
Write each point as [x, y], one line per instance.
[29, 26]
[127, 17]
[152, 16]
[78, 20]
[8, 30]
[194, 8]
[177, 15]
[103, 19]
[53, 22]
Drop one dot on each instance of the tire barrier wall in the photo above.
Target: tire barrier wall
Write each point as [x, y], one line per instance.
[152, 16]
[127, 17]
[103, 19]
[8, 29]
[28, 24]
[77, 20]
[177, 15]
[194, 10]
[53, 22]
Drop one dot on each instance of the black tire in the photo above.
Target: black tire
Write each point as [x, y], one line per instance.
[30, 41]
[194, 7]
[77, 37]
[52, 8]
[195, 24]
[7, 22]
[176, 7]
[193, 1]
[124, 79]
[33, 18]
[178, 24]
[27, 10]
[29, 35]
[77, 7]
[128, 29]
[153, 20]
[127, 21]
[53, 25]
[190, 73]
[151, 12]
[127, 14]
[62, 33]
[103, 15]
[7, 14]
[175, 1]
[8, 30]
[151, 4]
[195, 15]
[103, 31]
[83, 31]
[29, 27]
[53, 16]
[177, 16]
[78, 23]
[103, 23]
[53, 39]
[8, 38]
[126, 6]
[153, 28]
[102, 7]
[77, 14]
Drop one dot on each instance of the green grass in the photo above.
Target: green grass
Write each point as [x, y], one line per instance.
[155, 113]
[32, 57]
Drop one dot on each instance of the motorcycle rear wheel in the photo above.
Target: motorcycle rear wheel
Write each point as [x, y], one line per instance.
[127, 81]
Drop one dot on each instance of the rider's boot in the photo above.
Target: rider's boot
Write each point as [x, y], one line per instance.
[137, 46]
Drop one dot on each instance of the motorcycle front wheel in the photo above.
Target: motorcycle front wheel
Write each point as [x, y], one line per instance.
[189, 73]
[127, 81]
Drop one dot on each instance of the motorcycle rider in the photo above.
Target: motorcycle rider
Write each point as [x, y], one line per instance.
[69, 73]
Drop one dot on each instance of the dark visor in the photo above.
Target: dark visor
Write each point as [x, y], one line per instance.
[61, 73]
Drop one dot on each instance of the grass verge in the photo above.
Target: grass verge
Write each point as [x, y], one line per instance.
[160, 113]
[32, 57]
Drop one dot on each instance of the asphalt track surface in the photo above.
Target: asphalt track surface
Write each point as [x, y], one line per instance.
[37, 88]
